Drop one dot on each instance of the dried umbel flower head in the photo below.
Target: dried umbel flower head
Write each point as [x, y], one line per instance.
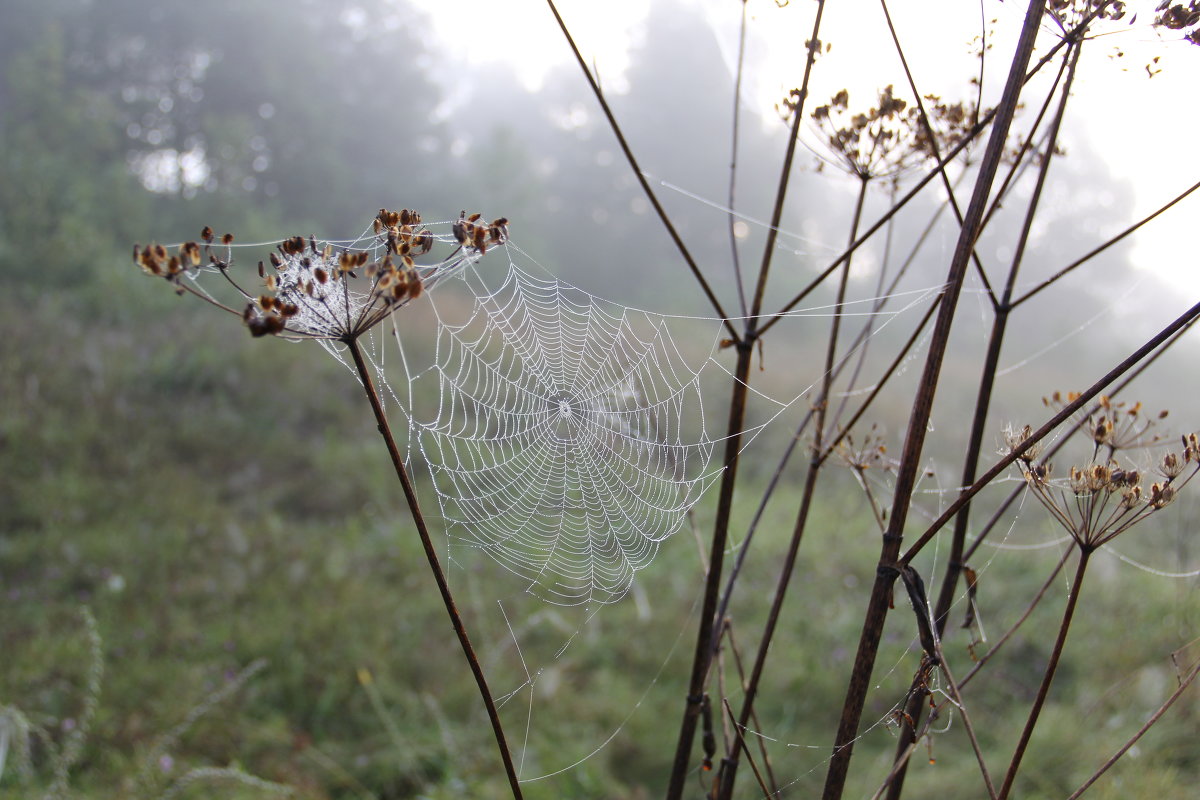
[1070, 13]
[1113, 425]
[862, 454]
[952, 123]
[315, 290]
[1014, 438]
[1100, 500]
[878, 142]
[1184, 17]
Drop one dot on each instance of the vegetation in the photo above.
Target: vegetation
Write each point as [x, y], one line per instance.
[209, 578]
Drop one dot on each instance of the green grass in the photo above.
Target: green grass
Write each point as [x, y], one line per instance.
[215, 501]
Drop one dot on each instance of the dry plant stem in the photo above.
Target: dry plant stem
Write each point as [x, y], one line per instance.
[984, 121]
[785, 175]
[966, 718]
[876, 614]
[709, 622]
[702, 657]
[737, 660]
[1185, 320]
[979, 422]
[1015, 764]
[637, 171]
[741, 740]
[1100, 249]
[899, 762]
[729, 766]
[435, 566]
[1154, 718]
[912, 85]
[732, 218]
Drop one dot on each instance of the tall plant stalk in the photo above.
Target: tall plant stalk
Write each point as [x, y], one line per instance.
[730, 763]
[860, 677]
[435, 566]
[1060, 640]
[991, 361]
[709, 624]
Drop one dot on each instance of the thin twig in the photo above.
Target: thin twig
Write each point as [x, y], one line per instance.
[741, 740]
[933, 146]
[732, 216]
[1154, 718]
[641, 178]
[962, 709]
[1101, 248]
[410, 495]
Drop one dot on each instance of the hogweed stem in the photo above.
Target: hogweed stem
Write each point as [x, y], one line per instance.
[435, 565]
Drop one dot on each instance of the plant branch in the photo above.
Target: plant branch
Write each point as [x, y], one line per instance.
[876, 613]
[1154, 718]
[933, 146]
[991, 362]
[1101, 248]
[1183, 321]
[1048, 677]
[784, 178]
[981, 125]
[641, 178]
[435, 566]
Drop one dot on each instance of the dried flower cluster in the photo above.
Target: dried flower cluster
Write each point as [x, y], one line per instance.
[865, 453]
[876, 143]
[1101, 500]
[470, 232]
[1069, 13]
[318, 291]
[1114, 426]
[1180, 17]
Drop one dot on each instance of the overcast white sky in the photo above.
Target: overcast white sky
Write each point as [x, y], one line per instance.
[1147, 133]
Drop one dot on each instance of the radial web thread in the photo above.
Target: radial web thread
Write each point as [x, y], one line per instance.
[567, 440]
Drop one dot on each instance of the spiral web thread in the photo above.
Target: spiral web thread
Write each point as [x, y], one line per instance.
[567, 440]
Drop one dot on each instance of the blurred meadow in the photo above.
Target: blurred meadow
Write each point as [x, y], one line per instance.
[181, 502]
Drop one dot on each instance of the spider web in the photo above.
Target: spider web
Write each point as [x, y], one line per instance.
[567, 439]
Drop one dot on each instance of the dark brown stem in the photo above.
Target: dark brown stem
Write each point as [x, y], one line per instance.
[785, 176]
[702, 658]
[741, 742]
[1185, 320]
[709, 622]
[979, 423]
[737, 659]
[729, 766]
[410, 495]
[876, 614]
[1154, 718]
[641, 178]
[1048, 677]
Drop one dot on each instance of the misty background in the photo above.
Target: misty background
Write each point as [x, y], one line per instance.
[190, 484]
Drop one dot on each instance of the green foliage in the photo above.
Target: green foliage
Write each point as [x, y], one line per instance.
[218, 501]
